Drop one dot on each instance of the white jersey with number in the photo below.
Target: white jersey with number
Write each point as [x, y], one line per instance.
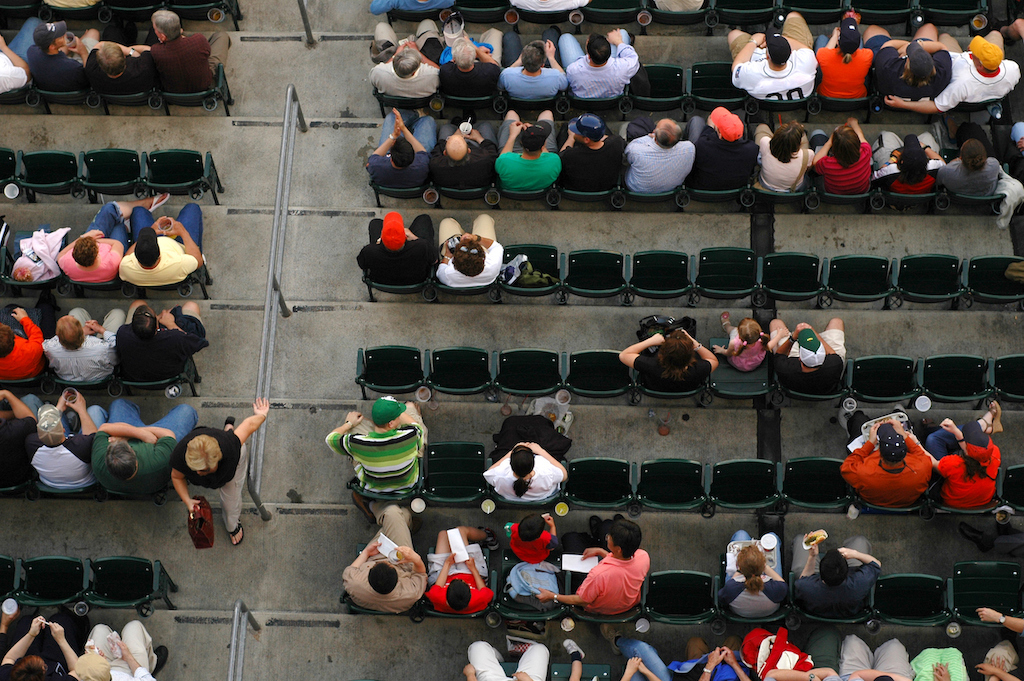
[796, 81]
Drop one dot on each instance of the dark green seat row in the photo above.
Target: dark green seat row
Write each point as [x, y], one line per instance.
[129, 10]
[115, 582]
[154, 99]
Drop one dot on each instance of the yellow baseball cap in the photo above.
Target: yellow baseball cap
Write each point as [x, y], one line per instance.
[990, 56]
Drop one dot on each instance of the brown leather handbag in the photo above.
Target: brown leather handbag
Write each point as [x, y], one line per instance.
[200, 524]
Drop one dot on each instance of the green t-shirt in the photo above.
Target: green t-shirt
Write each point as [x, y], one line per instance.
[528, 175]
[154, 466]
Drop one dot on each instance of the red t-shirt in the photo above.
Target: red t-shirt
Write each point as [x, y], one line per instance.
[922, 187]
[530, 551]
[958, 491]
[26, 359]
[478, 598]
[614, 585]
[853, 180]
[844, 81]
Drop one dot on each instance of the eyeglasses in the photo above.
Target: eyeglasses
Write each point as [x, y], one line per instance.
[474, 251]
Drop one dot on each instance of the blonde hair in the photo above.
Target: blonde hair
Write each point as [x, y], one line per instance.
[750, 563]
[202, 452]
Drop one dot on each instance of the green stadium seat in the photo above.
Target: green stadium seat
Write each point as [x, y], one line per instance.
[885, 11]
[454, 472]
[482, 11]
[660, 274]
[1011, 487]
[397, 192]
[680, 597]
[11, 255]
[911, 600]
[882, 378]
[599, 483]
[543, 259]
[787, 276]
[205, 10]
[666, 86]
[527, 371]
[509, 608]
[111, 171]
[725, 273]
[954, 378]
[742, 12]
[139, 11]
[984, 584]
[597, 373]
[1006, 377]
[180, 172]
[741, 483]
[709, 85]
[459, 371]
[10, 576]
[813, 482]
[389, 369]
[48, 172]
[952, 12]
[615, 12]
[592, 274]
[984, 282]
[190, 375]
[37, 96]
[730, 383]
[210, 99]
[8, 166]
[52, 580]
[128, 582]
[425, 288]
[671, 484]
[856, 279]
[663, 16]
[815, 11]
[927, 279]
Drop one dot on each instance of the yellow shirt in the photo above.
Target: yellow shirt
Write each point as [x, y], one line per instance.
[174, 266]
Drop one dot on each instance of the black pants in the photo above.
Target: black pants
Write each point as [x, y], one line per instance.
[422, 226]
[44, 644]
[577, 542]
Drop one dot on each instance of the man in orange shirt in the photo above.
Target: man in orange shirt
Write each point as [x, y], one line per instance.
[20, 357]
[891, 468]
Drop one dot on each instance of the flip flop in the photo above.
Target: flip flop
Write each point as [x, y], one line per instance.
[997, 413]
[724, 318]
[159, 200]
[238, 531]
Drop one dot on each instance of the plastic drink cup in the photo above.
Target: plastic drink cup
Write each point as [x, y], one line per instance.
[487, 506]
[70, 395]
[568, 624]
[465, 127]
[417, 505]
[849, 404]
[395, 555]
[563, 396]
[9, 607]
[923, 403]
[12, 191]
[561, 509]
[769, 542]
[508, 529]
[643, 625]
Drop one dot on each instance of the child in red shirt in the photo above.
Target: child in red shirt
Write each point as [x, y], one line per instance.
[530, 541]
[459, 588]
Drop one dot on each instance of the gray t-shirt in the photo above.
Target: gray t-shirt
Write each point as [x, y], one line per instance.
[954, 177]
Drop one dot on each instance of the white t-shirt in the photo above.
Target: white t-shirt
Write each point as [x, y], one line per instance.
[11, 77]
[59, 468]
[796, 81]
[967, 85]
[544, 483]
[449, 276]
[548, 5]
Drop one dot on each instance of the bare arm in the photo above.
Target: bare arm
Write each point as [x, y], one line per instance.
[128, 431]
[823, 151]
[630, 354]
[368, 551]
[922, 106]
[756, 40]
[855, 124]
[186, 239]
[79, 407]
[1014, 624]
[549, 52]
[19, 408]
[812, 553]
[19, 649]
[858, 555]
[513, 133]
[260, 408]
[484, 55]
[15, 59]
[540, 451]
[181, 487]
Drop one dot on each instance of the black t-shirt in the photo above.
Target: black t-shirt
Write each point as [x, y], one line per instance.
[592, 170]
[482, 81]
[139, 76]
[15, 464]
[56, 72]
[230, 449]
[889, 67]
[824, 380]
[478, 171]
[411, 265]
[651, 375]
[162, 356]
[719, 164]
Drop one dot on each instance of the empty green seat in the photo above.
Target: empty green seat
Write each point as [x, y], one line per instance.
[813, 482]
[128, 582]
[509, 608]
[599, 483]
[729, 382]
[815, 11]
[787, 276]
[593, 274]
[396, 192]
[984, 281]
[528, 371]
[47, 172]
[543, 258]
[1011, 487]
[207, 10]
[671, 484]
[666, 87]
[611, 11]
[597, 373]
[952, 12]
[181, 171]
[741, 483]
[984, 584]
[459, 371]
[742, 12]
[1006, 377]
[726, 272]
[680, 597]
[482, 11]
[927, 279]
[8, 165]
[52, 580]
[884, 11]
[856, 278]
[954, 378]
[663, 16]
[709, 85]
[10, 576]
[881, 378]
[911, 600]
[660, 274]
[111, 171]
[454, 472]
[134, 10]
[389, 369]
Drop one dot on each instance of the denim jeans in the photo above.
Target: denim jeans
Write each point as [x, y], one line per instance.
[941, 442]
[110, 221]
[423, 128]
[646, 652]
[180, 420]
[190, 217]
[23, 40]
[33, 403]
[570, 50]
[97, 413]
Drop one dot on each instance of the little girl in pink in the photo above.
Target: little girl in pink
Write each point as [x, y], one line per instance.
[748, 344]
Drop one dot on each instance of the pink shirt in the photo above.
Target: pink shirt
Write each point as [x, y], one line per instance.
[750, 357]
[614, 585]
[107, 260]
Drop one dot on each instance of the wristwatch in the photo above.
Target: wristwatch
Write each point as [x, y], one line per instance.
[1002, 619]
[556, 598]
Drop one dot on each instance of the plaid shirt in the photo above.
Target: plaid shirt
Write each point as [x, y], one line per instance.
[184, 64]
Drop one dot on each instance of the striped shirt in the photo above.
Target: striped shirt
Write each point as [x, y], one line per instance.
[653, 169]
[383, 462]
[609, 80]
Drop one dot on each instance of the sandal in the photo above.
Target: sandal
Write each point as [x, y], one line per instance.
[238, 531]
[724, 318]
[159, 200]
[992, 418]
[229, 423]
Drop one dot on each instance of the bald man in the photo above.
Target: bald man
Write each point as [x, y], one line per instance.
[462, 161]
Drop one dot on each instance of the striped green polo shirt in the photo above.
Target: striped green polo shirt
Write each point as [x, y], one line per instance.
[384, 462]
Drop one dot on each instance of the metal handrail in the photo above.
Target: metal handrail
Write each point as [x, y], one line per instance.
[305, 22]
[239, 629]
[293, 119]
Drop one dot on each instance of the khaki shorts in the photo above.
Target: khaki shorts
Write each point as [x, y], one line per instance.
[794, 28]
[835, 338]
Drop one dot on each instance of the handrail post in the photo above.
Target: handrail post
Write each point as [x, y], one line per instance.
[239, 629]
[310, 42]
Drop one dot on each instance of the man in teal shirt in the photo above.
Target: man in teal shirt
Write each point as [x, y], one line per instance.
[146, 465]
[529, 160]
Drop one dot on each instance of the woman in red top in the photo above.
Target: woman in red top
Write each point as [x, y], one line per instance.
[20, 357]
[968, 461]
[844, 160]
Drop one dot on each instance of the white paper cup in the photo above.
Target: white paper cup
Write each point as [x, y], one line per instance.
[417, 505]
[395, 555]
[563, 396]
[643, 625]
[561, 509]
[849, 404]
[9, 607]
[423, 394]
[923, 403]
[12, 191]
[568, 624]
[769, 542]
[487, 506]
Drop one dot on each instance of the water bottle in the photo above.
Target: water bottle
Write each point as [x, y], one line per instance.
[995, 110]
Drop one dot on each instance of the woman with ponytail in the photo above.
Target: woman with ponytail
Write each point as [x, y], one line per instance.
[752, 589]
[526, 473]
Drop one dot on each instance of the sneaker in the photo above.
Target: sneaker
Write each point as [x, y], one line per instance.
[161, 658]
[491, 543]
[572, 647]
[610, 633]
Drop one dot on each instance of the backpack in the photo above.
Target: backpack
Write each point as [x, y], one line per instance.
[525, 580]
[768, 652]
[531, 278]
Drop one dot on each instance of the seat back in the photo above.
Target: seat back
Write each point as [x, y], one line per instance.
[543, 258]
[882, 378]
[910, 596]
[52, 579]
[392, 366]
[1011, 490]
[726, 270]
[454, 471]
[863, 276]
[985, 584]
[710, 84]
[528, 371]
[670, 483]
[1008, 375]
[659, 272]
[122, 578]
[8, 163]
[9, 577]
[814, 482]
[174, 166]
[984, 276]
[930, 275]
[595, 271]
[597, 373]
[793, 273]
[601, 482]
[112, 166]
[743, 483]
[459, 370]
[680, 593]
[955, 376]
[49, 167]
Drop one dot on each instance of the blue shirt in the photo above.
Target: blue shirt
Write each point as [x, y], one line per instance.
[548, 84]
[609, 80]
[382, 6]
[446, 53]
[844, 600]
[414, 175]
[654, 169]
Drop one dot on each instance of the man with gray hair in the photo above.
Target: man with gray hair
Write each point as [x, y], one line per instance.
[405, 70]
[473, 70]
[658, 161]
[186, 63]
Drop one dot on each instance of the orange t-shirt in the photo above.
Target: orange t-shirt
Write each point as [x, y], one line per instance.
[26, 359]
[844, 81]
[614, 585]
